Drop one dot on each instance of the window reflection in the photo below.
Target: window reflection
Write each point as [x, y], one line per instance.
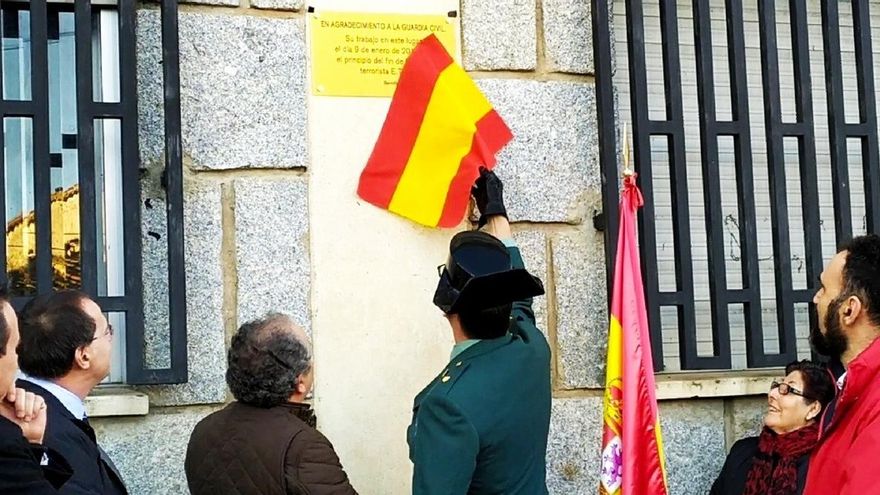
[21, 225]
[63, 162]
[65, 212]
[15, 24]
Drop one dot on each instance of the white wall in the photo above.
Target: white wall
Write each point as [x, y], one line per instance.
[377, 337]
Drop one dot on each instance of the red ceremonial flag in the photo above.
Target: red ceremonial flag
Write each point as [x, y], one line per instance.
[439, 131]
[632, 446]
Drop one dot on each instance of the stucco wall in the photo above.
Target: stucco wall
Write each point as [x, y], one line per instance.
[272, 222]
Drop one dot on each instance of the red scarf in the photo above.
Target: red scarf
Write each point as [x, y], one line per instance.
[774, 470]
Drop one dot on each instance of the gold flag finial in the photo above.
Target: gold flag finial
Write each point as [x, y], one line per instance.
[627, 170]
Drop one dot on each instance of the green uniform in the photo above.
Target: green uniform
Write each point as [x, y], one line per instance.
[481, 426]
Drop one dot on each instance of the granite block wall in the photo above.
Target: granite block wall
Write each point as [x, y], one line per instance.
[245, 211]
[244, 66]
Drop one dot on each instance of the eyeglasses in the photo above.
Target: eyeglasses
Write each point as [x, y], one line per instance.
[785, 389]
[107, 332]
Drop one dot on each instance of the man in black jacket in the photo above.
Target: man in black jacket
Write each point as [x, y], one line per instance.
[65, 353]
[26, 466]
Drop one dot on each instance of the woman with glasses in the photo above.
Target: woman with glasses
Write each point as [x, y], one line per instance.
[776, 461]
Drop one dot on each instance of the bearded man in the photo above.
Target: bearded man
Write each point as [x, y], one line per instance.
[848, 306]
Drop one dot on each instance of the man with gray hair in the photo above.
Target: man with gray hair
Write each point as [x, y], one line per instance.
[265, 442]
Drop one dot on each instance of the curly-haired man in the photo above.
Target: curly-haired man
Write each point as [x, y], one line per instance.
[266, 441]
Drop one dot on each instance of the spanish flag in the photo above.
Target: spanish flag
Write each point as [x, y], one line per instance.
[439, 131]
[632, 446]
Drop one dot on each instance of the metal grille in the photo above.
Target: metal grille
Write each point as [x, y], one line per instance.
[174, 196]
[83, 267]
[779, 128]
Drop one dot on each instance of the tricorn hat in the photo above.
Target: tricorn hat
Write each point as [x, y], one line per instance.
[478, 275]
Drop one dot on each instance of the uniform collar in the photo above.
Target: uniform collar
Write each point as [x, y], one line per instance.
[462, 346]
[483, 346]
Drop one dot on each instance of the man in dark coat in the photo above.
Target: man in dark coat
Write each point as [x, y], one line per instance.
[64, 354]
[26, 466]
[480, 427]
[266, 442]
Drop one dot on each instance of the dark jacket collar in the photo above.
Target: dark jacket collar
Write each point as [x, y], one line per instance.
[55, 405]
[300, 410]
[835, 366]
[303, 412]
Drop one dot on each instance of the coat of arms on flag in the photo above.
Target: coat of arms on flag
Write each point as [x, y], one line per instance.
[632, 446]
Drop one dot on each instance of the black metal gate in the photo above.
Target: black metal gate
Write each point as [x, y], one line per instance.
[740, 131]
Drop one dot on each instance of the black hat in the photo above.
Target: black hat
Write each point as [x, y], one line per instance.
[478, 275]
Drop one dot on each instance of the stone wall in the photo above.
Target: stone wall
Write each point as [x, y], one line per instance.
[243, 73]
[253, 202]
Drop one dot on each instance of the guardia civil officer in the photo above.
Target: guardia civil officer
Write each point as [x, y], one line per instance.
[480, 427]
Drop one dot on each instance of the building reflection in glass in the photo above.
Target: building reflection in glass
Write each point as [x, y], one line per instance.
[21, 244]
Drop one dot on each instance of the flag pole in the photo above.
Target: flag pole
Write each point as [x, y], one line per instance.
[627, 169]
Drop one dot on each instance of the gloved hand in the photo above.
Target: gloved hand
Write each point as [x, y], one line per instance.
[488, 191]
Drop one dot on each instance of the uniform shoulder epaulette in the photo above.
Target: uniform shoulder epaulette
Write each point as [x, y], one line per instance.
[450, 375]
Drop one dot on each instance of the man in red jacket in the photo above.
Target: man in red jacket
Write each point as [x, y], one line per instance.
[848, 305]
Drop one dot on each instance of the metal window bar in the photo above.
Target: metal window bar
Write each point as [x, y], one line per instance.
[37, 109]
[684, 294]
[776, 165]
[711, 129]
[673, 129]
[178, 372]
[174, 175]
[740, 129]
[607, 134]
[840, 131]
[642, 159]
[776, 130]
[3, 111]
[86, 148]
[42, 182]
[836, 120]
[714, 217]
[866, 129]
[808, 175]
[809, 182]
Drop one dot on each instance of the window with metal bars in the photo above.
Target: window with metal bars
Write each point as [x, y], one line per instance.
[70, 176]
[755, 136]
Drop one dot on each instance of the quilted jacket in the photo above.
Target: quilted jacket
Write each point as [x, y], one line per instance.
[246, 450]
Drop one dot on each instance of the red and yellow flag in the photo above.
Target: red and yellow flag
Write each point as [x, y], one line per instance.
[632, 446]
[439, 131]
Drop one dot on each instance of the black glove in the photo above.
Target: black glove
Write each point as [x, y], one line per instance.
[488, 191]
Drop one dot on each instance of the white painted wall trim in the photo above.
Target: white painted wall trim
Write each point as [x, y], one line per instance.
[106, 402]
[687, 385]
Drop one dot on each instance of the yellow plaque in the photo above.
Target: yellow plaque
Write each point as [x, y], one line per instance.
[358, 54]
